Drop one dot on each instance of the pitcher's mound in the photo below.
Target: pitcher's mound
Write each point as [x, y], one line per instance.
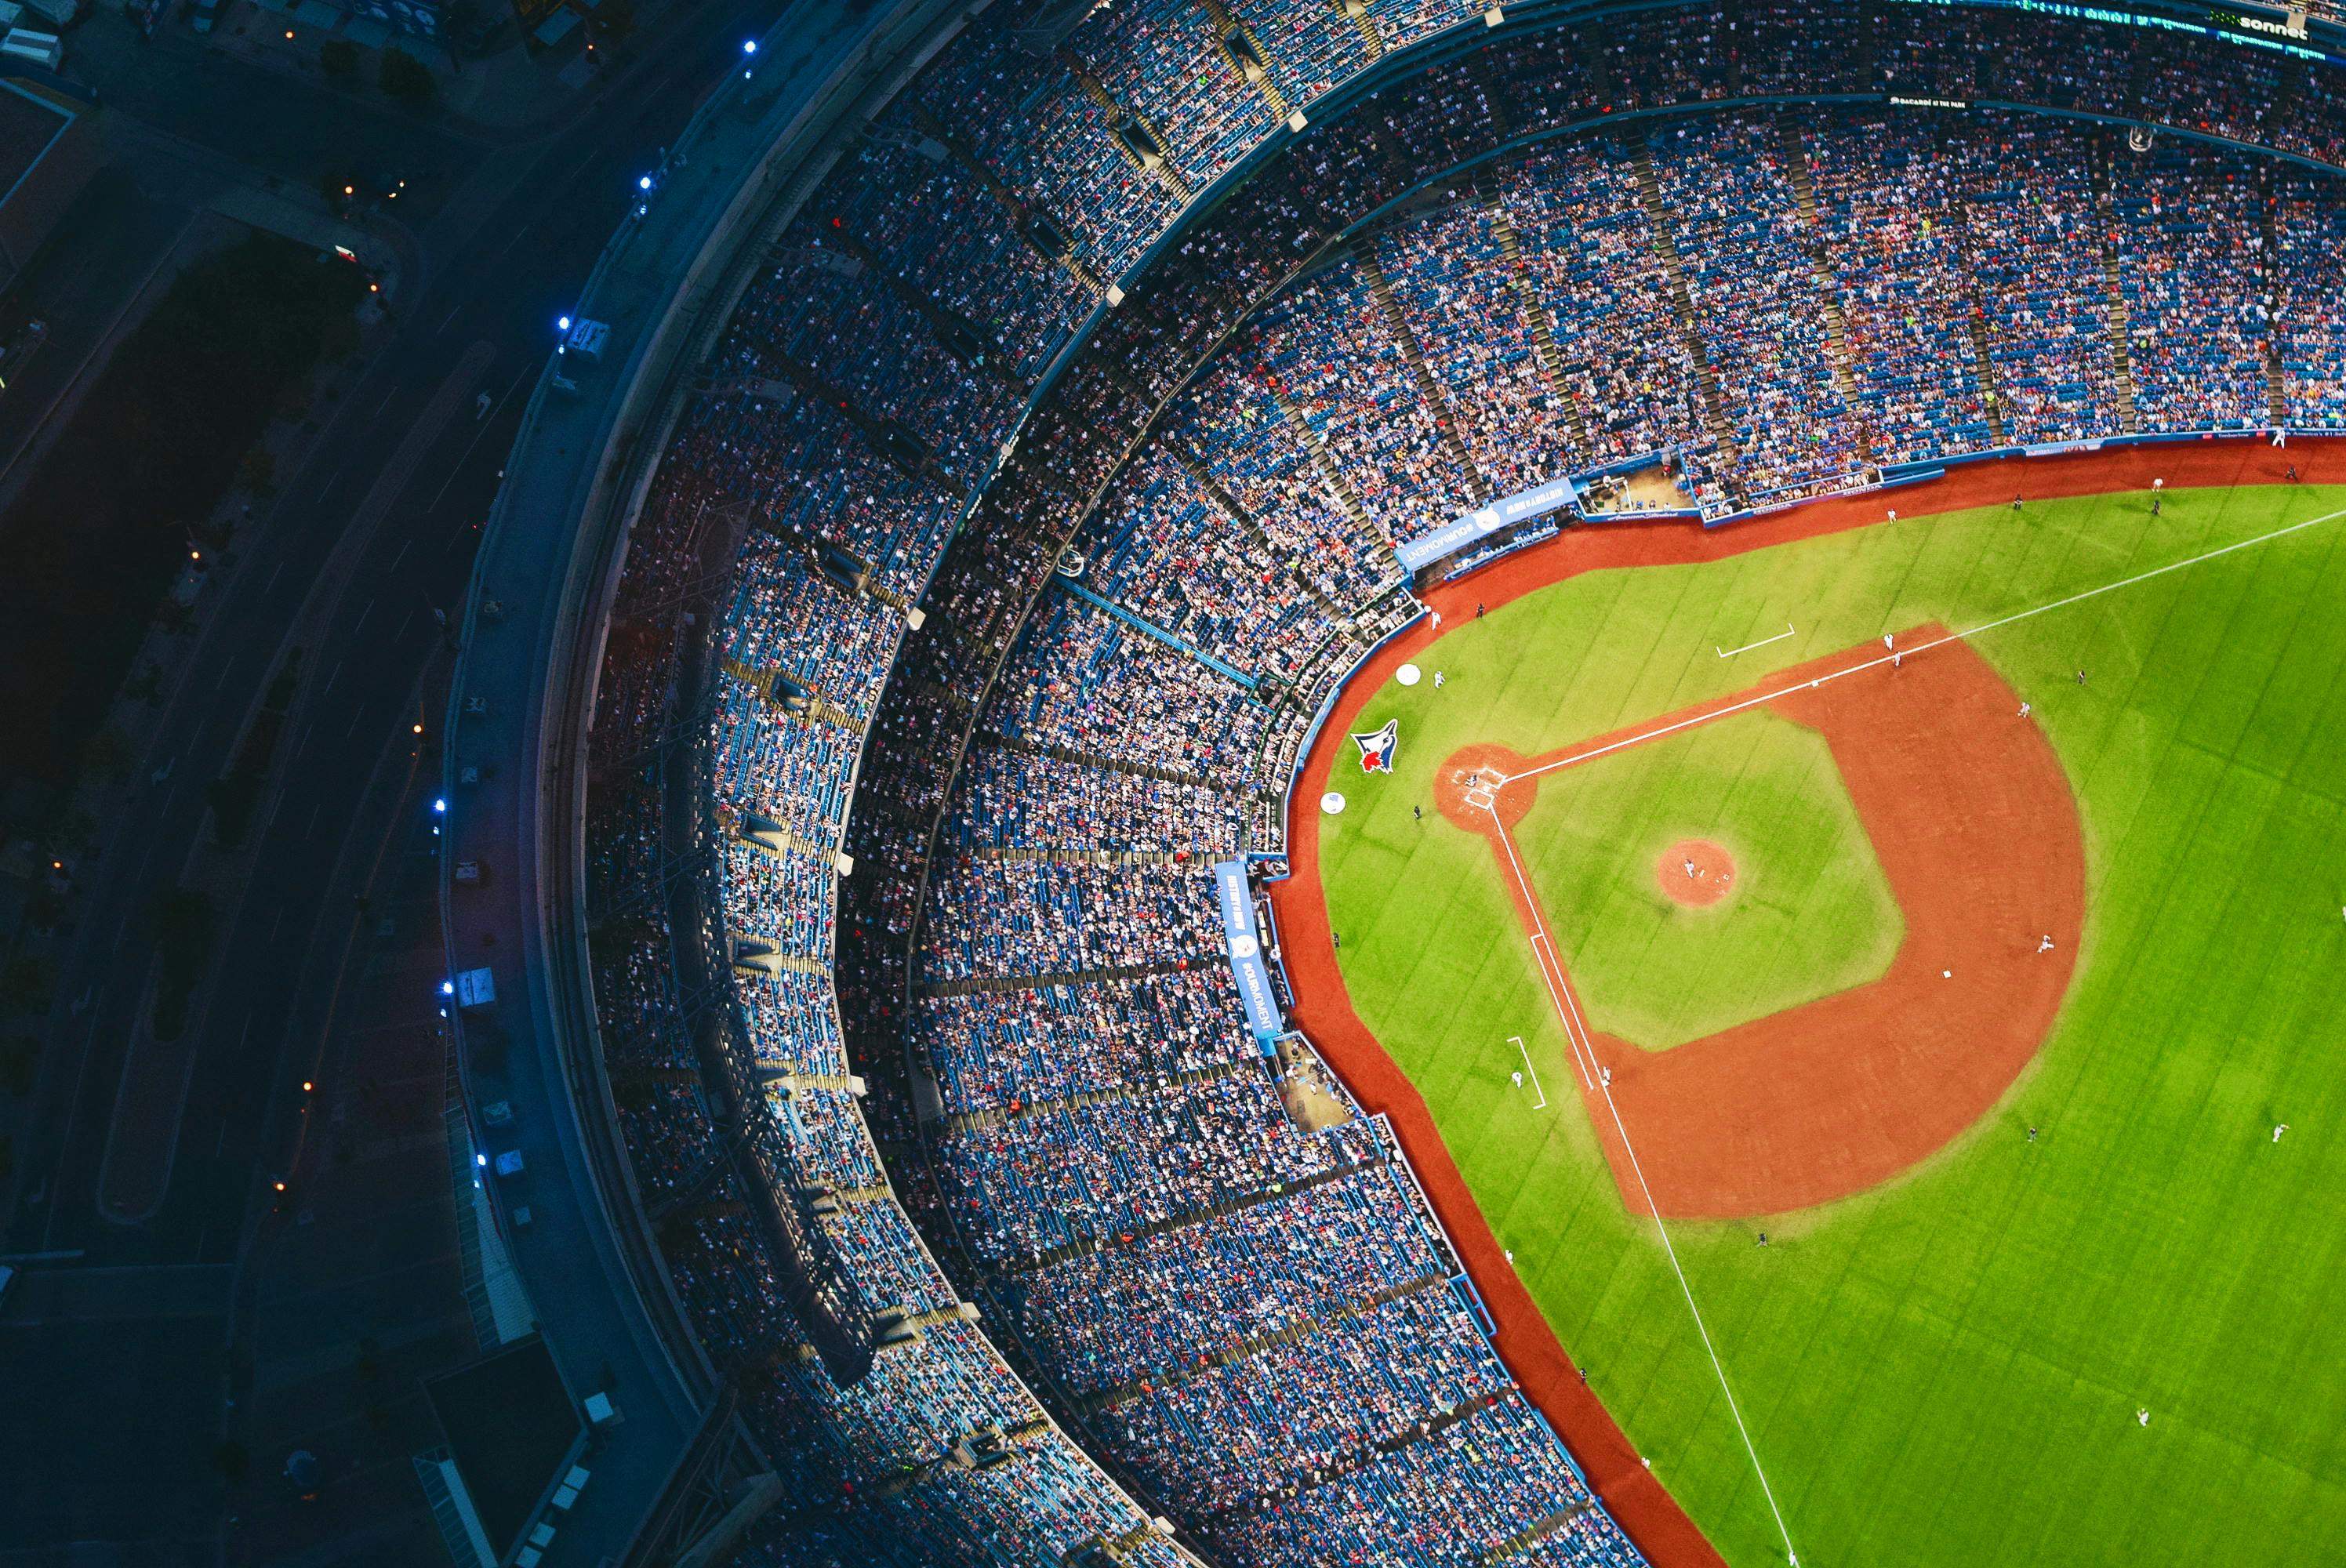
[1695, 871]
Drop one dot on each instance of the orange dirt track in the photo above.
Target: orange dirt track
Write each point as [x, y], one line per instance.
[1973, 820]
[1526, 1342]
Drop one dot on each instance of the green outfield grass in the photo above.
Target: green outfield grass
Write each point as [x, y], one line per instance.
[1809, 912]
[1945, 1372]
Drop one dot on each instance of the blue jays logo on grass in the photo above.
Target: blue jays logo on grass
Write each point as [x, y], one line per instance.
[1377, 747]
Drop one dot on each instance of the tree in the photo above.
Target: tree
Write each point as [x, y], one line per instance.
[615, 20]
[257, 471]
[94, 541]
[338, 58]
[108, 755]
[181, 924]
[20, 1054]
[28, 982]
[232, 800]
[407, 78]
[180, 921]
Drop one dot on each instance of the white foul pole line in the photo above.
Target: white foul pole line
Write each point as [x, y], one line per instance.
[1746, 647]
[1576, 1032]
[1551, 970]
[1533, 1071]
[1568, 1009]
[1655, 734]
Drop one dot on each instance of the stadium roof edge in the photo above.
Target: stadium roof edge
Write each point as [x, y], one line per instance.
[523, 692]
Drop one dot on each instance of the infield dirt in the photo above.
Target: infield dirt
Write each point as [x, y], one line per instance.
[1972, 822]
[1695, 872]
[1525, 1341]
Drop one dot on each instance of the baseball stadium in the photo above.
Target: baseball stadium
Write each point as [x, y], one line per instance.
[1371, 782]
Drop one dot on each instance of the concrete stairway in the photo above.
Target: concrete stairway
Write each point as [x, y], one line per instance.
[2276, 380]
[1804, 191]
[1538, 322]
[1665, 249]
[1430, 391]
[2114, 299]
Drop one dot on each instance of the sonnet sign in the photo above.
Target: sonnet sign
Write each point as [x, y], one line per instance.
[1244, 944]
[1483, 522]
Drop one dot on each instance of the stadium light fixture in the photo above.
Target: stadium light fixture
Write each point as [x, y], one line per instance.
[561, 324]
[441, 805]
[447, 988]
[749, 46]
[643, 182]
[480, 1159]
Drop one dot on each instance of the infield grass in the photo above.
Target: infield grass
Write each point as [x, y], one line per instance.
[1945, 1371]
[1808, 911]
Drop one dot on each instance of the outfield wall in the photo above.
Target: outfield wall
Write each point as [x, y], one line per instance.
[1526, 1343]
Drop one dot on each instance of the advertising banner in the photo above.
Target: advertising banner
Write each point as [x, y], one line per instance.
[1241, 941]
[1419, 554]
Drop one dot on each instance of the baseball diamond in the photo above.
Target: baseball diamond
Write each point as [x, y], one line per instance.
[1964, 1217]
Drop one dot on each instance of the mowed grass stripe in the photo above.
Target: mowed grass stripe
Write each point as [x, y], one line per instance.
[1943, 1371]
[1811, 916]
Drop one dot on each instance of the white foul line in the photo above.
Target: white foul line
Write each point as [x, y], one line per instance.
[1533, 1071]
[1746, 647]
[1567, 1011]
[1875, 663]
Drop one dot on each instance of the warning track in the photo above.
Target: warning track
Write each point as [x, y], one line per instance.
[1524, 1340]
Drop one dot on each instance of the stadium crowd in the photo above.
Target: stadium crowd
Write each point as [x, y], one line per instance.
[1030, 691]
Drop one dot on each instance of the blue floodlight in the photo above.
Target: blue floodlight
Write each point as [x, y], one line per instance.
[447, 988]
[561, 324]
[441, 805]
[644, 182]
[749, 46]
